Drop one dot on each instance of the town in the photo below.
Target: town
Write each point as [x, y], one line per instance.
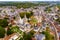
[37, 22]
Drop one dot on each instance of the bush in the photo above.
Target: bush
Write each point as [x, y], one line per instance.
[2, 32]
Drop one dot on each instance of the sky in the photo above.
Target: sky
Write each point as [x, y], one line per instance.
[29, 0]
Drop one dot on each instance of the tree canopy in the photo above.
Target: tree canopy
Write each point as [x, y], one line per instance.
[48, 36]
[2, 32]
[3, 22]
[28, 14]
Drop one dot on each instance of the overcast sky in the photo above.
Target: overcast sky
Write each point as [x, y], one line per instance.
[29, 0]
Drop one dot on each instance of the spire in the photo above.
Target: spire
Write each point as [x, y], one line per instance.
[25, 18]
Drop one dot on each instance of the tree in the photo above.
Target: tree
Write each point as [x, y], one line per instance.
[15, 29]
[48, 9]
[2, 32]
[48, 36]
[9, 31]
[22, 14]
[3, 22]
[33, 20]
[28, 36]
[28, 14]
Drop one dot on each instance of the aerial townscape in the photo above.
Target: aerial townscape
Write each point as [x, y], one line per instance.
[30, 20]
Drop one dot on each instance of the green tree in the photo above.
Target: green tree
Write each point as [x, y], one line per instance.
[48, 9]
[28, 36]
[3, 22]
[2, 32]
[28, 14]
[48, 36]
[22, 14]
[33, 20]
[15, 29]
[9, 31]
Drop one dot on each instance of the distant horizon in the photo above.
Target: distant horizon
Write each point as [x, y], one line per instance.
[29, 0]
